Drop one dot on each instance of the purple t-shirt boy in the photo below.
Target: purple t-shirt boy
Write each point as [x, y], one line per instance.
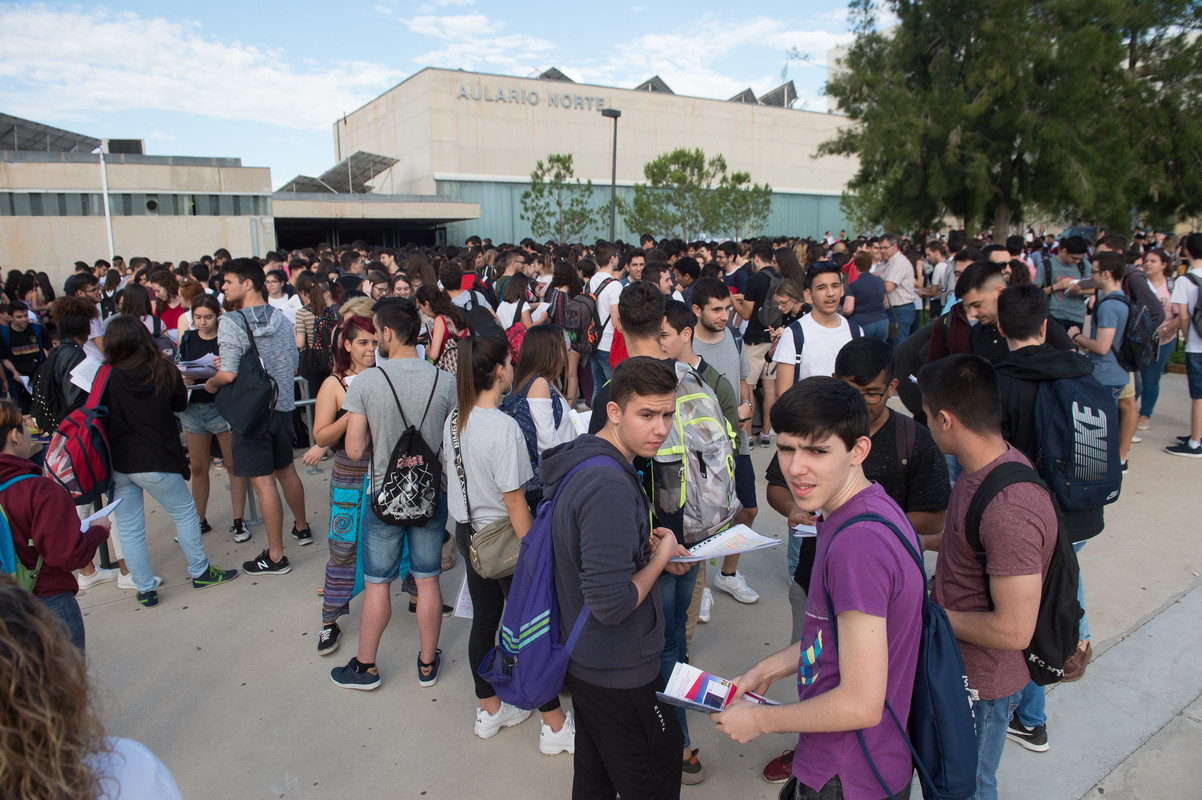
[867, 569]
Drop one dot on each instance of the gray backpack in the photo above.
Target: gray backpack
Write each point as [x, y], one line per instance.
[695, 466]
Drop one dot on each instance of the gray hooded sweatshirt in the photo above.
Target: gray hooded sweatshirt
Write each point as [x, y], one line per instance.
[601, 529]
[274, 339]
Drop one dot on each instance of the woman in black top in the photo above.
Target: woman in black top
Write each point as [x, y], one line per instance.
[143, 392]
[200, 419]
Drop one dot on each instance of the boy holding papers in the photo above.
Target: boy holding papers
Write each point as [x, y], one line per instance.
[876, 591]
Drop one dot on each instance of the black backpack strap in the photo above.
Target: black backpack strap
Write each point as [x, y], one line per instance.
[999, 478]
[904, 434]
[429, 399]
[397, 400]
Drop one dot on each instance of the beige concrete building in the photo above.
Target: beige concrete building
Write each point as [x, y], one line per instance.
[477, 137]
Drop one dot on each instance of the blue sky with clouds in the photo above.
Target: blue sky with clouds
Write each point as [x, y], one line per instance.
[264, 81]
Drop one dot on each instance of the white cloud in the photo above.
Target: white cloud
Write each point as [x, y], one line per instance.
[70, 63]
[473, 41]
[159, 135]
[694, 59]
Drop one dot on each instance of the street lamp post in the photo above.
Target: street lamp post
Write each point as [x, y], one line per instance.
[613, 114]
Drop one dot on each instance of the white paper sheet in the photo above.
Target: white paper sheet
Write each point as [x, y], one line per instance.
[463, 606]
[85, 372]
[732, 541]
[104, 512]
[804, 531]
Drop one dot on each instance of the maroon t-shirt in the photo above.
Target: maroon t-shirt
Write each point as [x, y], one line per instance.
[1018, 532]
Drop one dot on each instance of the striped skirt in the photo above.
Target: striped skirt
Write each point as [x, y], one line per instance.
[348, 507]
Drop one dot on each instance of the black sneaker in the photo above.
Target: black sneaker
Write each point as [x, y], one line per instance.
[205, 527]
[240, 531]
[409, 585]
[327, 640]
[149, 599]
[446, 610]
[1033, 739]
[356, 676]
[427, 674]
[302, 537]
[213, 576]
[1183, 449]
[263, 565]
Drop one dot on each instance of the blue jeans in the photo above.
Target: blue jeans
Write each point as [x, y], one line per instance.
[991, 718]
[905, 321]
[1083, 627]
[384, 546]
[878, 330]
[1032, 703]
[1151, 380]
[602, 371]
[676, 591]
[66, 608]
[171, 492]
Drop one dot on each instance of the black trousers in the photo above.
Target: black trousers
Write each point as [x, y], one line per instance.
[626, 743]
[488, 604]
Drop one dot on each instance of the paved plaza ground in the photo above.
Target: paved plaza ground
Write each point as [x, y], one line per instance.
[226, 686]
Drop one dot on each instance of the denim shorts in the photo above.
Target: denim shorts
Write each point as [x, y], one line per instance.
[745, 481]
[1193, 372]
[202, 418]
[384, 543]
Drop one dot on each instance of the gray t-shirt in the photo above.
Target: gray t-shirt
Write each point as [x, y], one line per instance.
[731, 361]
[413, 379]
[1064, 306]
[273, 338]
[494, 462]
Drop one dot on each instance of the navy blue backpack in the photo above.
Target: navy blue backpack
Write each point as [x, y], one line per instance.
[943, 736]
[1077, 442]
[527, 668]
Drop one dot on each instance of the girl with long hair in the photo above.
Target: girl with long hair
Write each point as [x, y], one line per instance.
[135, 302]
[354, 351]
[516, 306]
[169, 306]
[537, 386]
[316, 321]
[420, 271]
[565, 284]
[52, 745]
[487, 469]
[109, 289]
[1158, 265]
[143, 393]
[201, 422]
[447, 325]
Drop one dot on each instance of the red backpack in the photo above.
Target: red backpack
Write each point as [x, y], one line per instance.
[78, 456]
[516, 332]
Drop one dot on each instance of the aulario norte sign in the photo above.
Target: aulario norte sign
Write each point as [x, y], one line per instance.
[530, 97]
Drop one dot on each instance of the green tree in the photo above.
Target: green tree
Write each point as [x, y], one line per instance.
[989, 110]
[557, 205]
[676, 200]
[740, 208]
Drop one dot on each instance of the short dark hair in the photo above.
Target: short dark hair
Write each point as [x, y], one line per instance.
[1111, 262]
[707, 289]
[1021, 310]
[964, 386]
[1015, 244]
[17, 305]
[450, 275]
[687, 266]
[821, 406]
[1074, 245]
[679, 315]
[1193, 245]
[1115, 241]
[245, 269]
[977, 275]
[641, 309]
[652, 272]
[278, 274]
[399, 315]
[80, 281]
[862, 360]
[348, 259]
[641, 376]
[604, 253]
[763, 252]
[73, 316]
[821, 268]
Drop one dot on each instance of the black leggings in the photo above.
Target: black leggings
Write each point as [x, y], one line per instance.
[488, 603]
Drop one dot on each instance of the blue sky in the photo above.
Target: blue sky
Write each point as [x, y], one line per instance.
[264, 81]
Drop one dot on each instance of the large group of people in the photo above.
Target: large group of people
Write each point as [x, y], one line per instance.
[456, 388]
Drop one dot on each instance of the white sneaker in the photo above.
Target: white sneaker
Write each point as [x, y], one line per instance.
[127, 582]
[99, 576]
[736, 586]
[1136, 439]
[707, 605]
[487, 724]
[562, 741]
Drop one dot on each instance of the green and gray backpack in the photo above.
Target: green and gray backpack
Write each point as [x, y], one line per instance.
[695, 466]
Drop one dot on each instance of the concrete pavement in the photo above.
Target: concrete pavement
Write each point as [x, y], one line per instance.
[225, 684]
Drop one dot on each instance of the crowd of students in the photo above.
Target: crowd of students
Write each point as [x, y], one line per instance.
[487, 356]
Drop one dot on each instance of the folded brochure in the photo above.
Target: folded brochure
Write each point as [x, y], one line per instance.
[732, 541]
[689, 687]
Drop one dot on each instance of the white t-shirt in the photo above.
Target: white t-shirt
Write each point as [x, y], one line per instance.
[609, 297]
[820, 346]
[547, 434]
[289, 305]
[1185, 292]
[132, 772]
[95, 329]
[507, 312]
[495, 461]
